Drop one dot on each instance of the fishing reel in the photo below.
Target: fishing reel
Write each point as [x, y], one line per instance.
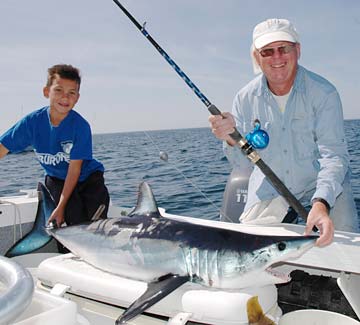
[258, 138]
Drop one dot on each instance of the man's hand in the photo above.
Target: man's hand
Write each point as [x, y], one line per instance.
[222, 126]
[319, 217]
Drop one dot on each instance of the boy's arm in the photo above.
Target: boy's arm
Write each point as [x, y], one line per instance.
[71, 180]
[3, 151]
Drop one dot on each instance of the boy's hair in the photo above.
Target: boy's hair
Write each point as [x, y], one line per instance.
[64, 71]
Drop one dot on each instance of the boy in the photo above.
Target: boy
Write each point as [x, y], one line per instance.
[62, 142]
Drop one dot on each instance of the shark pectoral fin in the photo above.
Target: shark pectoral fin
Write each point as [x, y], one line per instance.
[156, 291]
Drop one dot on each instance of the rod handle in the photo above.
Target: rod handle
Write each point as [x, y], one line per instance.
[215, 111]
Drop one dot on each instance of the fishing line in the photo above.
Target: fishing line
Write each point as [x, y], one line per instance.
[246, 148]
[164, 157]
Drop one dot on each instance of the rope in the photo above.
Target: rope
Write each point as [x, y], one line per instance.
[17, 214]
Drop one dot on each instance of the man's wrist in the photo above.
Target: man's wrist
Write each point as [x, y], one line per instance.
[319, 199]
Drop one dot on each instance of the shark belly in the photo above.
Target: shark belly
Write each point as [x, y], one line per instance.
[125, 254]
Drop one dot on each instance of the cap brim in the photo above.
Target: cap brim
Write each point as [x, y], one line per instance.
[273, 37]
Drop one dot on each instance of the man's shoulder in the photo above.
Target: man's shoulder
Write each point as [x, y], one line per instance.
[316, 81]
[251, 88]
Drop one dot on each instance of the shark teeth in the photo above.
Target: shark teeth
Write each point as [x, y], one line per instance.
[283, 277]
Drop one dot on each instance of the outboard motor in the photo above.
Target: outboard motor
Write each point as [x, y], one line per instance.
[235, 194]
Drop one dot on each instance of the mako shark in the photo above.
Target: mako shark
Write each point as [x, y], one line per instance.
[166, 253]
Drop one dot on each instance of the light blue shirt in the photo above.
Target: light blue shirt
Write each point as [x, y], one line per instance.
[307, 148]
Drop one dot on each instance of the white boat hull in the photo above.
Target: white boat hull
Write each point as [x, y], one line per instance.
[112, 294]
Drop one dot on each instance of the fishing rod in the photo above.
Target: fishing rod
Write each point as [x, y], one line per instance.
[244, 145]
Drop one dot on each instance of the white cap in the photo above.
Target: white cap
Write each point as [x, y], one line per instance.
[274, 30]
[269, 31]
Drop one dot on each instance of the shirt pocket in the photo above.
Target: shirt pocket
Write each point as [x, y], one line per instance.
[303, 137]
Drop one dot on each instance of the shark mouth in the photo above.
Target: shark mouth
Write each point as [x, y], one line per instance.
[281, 277]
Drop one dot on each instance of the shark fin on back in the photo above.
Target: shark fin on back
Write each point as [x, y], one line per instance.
[146, 203]
[156, 291]
[37, 237]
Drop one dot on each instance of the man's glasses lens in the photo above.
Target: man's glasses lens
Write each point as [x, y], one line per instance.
[284, 49]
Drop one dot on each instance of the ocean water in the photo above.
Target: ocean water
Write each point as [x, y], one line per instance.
[190, 182]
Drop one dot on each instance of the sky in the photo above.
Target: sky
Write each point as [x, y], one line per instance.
[128, 86]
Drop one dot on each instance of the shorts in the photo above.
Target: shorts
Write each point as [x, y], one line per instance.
[85, 200]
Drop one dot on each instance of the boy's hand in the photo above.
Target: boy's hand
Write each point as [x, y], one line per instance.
[57, 216]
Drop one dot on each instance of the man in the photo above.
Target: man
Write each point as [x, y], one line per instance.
[302, 114]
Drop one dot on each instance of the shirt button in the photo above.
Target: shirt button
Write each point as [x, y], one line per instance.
[285, 151]
[283, 129]
[287, 172]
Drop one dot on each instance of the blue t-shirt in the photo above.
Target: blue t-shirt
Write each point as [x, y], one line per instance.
[54, 146]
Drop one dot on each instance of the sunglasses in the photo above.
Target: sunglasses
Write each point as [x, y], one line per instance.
[270, 51]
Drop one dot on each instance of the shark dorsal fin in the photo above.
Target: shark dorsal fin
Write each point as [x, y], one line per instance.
[146, 203]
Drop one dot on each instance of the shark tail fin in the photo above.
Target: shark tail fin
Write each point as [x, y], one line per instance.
[155, 292]
[146, 203]
[37, 237]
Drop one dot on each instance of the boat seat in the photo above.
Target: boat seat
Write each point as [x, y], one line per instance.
[205, 305]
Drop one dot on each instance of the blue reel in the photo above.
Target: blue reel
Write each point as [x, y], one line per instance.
[258, 138]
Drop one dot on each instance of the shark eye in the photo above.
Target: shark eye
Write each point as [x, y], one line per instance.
[281, 246]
